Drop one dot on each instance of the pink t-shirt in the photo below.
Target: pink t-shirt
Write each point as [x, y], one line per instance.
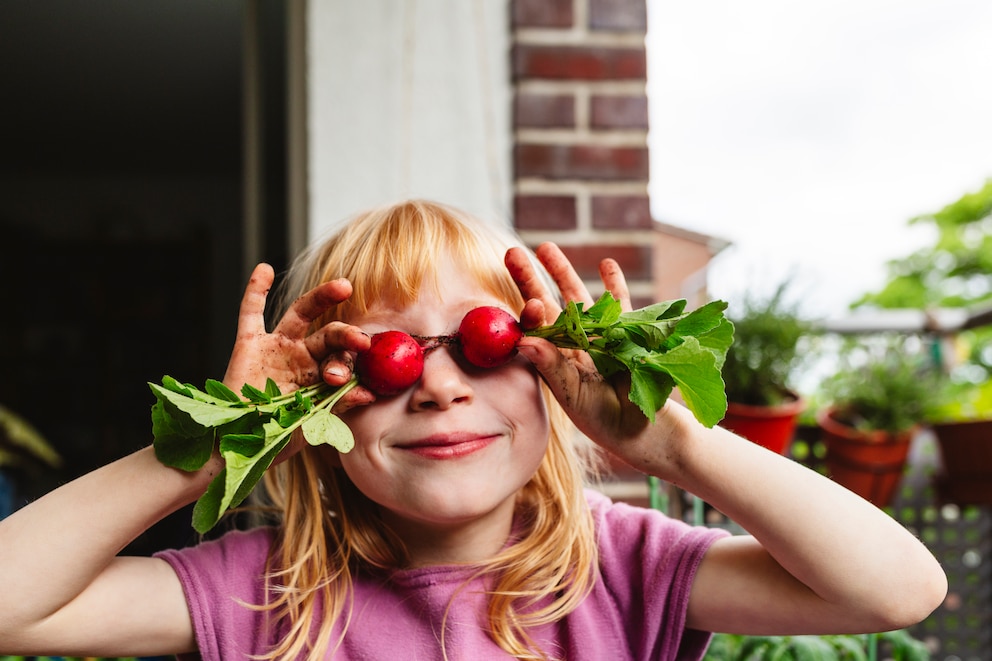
[636, 610]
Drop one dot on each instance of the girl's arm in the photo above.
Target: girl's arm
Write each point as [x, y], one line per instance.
[65, 590]
[819, 559]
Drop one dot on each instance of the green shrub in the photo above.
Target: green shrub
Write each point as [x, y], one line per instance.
[897, 645]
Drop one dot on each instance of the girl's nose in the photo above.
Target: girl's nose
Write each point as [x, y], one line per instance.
[443, 382]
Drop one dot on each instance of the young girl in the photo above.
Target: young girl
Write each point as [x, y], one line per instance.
[459, 526]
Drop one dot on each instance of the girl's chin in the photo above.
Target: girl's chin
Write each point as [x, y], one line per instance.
[449, 511]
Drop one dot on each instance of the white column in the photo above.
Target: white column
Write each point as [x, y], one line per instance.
[407, 98]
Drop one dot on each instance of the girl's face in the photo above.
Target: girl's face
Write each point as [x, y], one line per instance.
[455, 448]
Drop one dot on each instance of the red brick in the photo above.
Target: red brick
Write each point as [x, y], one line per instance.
[544, 110]
[626, 15]
[585, 162]
[579, 62]
[635, 260]
[619, 112]
[542, 13]
[621, 212]
[544, 212]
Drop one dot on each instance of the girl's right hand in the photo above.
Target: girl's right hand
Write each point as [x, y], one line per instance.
[291, 355]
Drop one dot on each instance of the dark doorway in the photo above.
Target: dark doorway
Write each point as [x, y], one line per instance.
[120, 218]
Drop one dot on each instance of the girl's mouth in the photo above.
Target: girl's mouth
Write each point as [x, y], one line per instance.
[452, 446]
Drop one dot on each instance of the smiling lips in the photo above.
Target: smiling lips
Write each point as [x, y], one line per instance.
[448, 446]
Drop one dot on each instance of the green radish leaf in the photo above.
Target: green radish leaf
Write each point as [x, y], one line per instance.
[303, 402]
[255, 395]
[271, 389]
[207, 510]
[606, 310]
[649, 389]
[173, 447]
[666, 310]
[572, 323]
[288, 417]
[203, 413]
[243, 473]
[218, 390]
[187, 423]
[169, 419]
[607, 363]
[660, 345]
[238, 478]
[652, 336]
[246, 445]
[325, 427]
[697, 377]
[718, 341]
[172, 384]
[192, 392]
[701, 320]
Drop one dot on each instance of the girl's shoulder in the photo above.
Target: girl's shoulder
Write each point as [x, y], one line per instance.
[647, 563]
[219, 577]
[235, 548]
[624, 530]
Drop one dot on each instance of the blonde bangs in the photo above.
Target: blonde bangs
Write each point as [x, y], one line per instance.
[405, 245]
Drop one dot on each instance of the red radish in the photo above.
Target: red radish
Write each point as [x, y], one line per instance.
[394, 362]
[489, 336]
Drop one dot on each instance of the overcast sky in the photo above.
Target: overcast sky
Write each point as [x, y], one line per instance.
[808, 133]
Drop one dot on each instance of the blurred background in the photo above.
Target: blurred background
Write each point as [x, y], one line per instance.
[151, 153]
[810, 133]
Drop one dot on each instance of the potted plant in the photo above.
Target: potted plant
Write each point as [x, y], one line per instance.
[962, 424]
[762, 406]
[953, 272]
[876, 404]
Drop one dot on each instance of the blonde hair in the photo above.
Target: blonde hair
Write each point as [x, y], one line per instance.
[330, 529]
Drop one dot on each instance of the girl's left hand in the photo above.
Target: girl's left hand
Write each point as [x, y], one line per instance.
[599, 407]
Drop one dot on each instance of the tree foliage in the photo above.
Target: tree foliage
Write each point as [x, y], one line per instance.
[954, 272]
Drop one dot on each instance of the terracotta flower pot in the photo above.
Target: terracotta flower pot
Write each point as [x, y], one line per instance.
[869, 463]
[770, 426]
[965, 475]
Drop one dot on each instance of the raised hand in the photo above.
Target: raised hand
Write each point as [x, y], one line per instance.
[291, 354]
[600, 408]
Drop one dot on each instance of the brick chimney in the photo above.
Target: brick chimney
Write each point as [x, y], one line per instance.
[580, 133]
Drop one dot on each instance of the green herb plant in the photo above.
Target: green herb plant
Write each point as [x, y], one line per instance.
[898, 645]
[660, 347]
[881, 388]
[767, 336]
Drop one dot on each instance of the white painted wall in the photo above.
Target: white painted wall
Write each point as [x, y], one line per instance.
[407, 98]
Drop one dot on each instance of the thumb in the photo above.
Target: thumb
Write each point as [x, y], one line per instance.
[557, 371]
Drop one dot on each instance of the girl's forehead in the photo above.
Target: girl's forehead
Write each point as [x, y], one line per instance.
[453, 301]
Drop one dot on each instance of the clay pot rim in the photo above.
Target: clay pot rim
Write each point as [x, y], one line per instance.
[794, 407]
[958, 424]
[826, 420]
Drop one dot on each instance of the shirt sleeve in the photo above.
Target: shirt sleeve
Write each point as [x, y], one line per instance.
[648, 562]
[221, 579]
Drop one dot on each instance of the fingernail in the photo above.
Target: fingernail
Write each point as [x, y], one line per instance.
[335, 371]
[527, 351]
